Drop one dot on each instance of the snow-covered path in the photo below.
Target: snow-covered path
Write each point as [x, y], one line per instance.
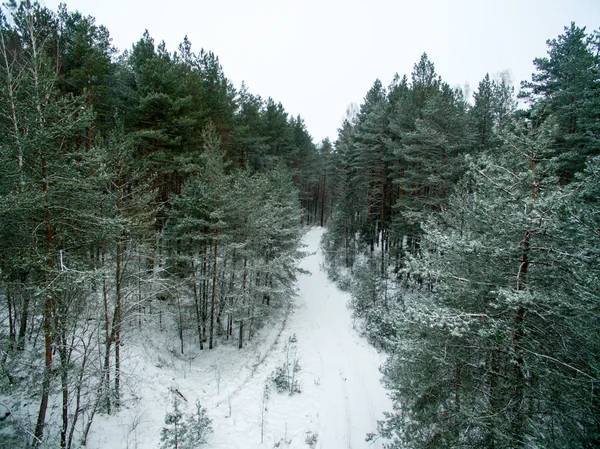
[341, 397]
[345, 394]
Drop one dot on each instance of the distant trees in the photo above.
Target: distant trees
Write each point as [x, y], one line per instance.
[478, 271]
[398, 161]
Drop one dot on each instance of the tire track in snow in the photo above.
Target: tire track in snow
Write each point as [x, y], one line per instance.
[255, 366]
[352, 398]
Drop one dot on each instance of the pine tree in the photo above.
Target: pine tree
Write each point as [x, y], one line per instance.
[371, 159]
[198, 426]
[431, 151]
[490, 115]
[565, 86]
[248, 140]
[343, 228]
[85, 67]
[128, 220]
[581, 227]
[173, 435]
[200, 218]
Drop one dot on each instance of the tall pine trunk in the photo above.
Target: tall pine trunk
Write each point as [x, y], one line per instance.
[518, 424]
[48, 309]
[23, 322]
[244, 283]
[117, 323]
[323, 191]
[107, 343]
[213, 295]
[197, 305]
[11, 319]
[64, 380]
[204, 295]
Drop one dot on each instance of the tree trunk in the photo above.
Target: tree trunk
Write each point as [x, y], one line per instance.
[204, 296]
[518, 424]
[107, 344]
[197, 305]
[64, 379]
[347, 246]
[23, 323]
[457, 405]
[117, 324]
[80, 381]
[11, 321]
[494, 400]
[48, 306]
[323, 200]
[139, 290]
[244, 283]
[213, 296]
[180, 323]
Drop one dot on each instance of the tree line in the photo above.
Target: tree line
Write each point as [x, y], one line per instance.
[468, 232]
[133, 187]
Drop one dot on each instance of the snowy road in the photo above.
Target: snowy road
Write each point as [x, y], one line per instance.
[346, 394]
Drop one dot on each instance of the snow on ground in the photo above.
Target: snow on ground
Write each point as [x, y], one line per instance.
[341, 397]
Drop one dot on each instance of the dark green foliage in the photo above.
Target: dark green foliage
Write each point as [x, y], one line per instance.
[198, 427]
[52, 201]
[565, 86]
[85, 65]
[398, 162]
[173, 434]
[491, 113]
[238, 257]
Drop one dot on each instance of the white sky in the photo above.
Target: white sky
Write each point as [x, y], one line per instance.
[317, 56]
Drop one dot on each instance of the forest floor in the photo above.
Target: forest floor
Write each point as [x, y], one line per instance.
[340, 399]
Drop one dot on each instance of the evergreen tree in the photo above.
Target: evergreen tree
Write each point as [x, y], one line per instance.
[198, 428]
[200, 218]
[173, 435]
[343, 228]
[488, 310]
[248, 139]
[371, 159]
[85, 67]
[565, 85]
[430, 151]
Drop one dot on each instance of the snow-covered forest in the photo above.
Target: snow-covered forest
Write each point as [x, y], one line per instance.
[181, 266]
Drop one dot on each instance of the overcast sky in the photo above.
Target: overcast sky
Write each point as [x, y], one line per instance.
[317, 56]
